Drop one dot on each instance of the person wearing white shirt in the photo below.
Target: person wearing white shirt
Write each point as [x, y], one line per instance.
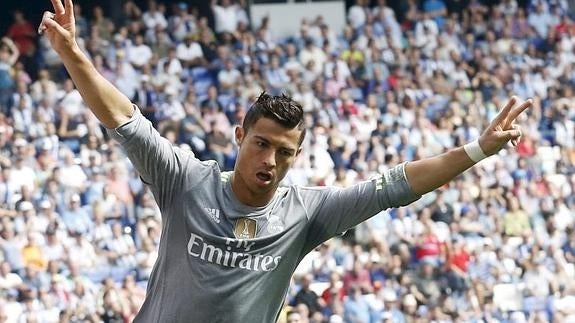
[170, 63]
[43, 87]
[22, 115]
[182, 22]
[312, 53]
[171, 112]
[189, 52]
[357, 15]
[22, 174]
[292, 62]
[69, 99]
[540, 20]
[54, 248]
[426, 31]
[22, 107]
[276, 76]
[8, 279]
[139, 54]
[508, 7]
[154, 17]
[75, 177]
[126, 79]
[226, 16]
[384, 11]
[229, 77]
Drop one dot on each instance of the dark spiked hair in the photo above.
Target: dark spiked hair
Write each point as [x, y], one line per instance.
[280, 108]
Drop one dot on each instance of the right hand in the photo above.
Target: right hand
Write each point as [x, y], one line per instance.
[502, 129]
[60, 25]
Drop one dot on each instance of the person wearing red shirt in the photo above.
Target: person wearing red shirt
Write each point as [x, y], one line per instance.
[335, 291]
[428, 246]
[526, 147]
[457, 265]
[22, 33]
[357, 276]
[564, 27]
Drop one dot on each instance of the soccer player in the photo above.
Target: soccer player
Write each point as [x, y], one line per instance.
[231, 241]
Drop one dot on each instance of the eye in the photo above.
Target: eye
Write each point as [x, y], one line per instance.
[285, 153]
[261, 144]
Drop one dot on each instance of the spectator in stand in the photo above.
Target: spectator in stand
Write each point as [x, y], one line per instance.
[436, 10]
[357, 14]
[228, 77]
[8, 279]
[189, 52]
[428, 248]
[275, 76]
[44, 88]
[307, 296]
[154, 17]
[76, 218]
[9, 54]
[457, 264]
[355, 306]
[226, 17]
[22, 33]
[515, 221]
[100, 22]
[140, 54]
[411, 90]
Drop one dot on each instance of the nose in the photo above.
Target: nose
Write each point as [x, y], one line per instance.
[270, 159]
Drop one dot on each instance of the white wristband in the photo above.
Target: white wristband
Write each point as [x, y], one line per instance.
[474, 151]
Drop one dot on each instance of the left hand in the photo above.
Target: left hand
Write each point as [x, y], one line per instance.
[502, 129]
[60, 26]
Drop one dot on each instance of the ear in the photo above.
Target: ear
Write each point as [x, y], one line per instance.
[239, 135]
[298, 152]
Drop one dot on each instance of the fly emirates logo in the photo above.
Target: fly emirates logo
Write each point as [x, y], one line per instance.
[235, 254]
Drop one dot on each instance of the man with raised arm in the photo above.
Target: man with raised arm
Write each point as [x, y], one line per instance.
[231, 241]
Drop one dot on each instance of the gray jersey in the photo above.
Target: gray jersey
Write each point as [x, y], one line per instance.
[222, 261]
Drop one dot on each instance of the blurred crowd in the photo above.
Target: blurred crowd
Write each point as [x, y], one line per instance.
[79, 231]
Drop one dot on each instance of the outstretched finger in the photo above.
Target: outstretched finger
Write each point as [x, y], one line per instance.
[517, 111]
[58, 7]
[502, 116]
[69, 10]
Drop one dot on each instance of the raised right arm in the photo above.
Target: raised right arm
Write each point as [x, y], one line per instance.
[109, 105]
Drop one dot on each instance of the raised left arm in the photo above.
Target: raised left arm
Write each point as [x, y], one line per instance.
[427, 174]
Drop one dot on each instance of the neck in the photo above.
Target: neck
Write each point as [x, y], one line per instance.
[247, 196]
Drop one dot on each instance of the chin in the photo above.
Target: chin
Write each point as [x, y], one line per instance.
[265, 187]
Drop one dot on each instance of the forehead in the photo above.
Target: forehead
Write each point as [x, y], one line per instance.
[275, 133]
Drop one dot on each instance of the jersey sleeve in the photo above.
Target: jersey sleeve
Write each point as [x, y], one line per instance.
[332, 211]
[165, 168]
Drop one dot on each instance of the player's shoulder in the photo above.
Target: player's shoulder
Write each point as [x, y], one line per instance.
[226, 176]
[310, 191]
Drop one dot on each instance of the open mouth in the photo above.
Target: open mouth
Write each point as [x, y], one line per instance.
[264, 177]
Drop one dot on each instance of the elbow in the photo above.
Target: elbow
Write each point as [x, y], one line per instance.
[117, 118]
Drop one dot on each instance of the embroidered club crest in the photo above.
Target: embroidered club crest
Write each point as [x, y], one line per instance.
[245, 228]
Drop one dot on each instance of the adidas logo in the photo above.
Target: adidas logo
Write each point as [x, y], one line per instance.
[214, 214]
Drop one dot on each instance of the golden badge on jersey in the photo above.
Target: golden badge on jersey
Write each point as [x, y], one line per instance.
[245, 228]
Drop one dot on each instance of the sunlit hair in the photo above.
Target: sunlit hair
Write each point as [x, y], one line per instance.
[279, 108]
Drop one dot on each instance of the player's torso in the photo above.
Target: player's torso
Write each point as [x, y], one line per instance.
[218, 255]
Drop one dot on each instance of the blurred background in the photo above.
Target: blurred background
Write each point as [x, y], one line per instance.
[381, 82]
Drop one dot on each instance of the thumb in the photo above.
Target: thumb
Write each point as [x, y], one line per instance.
[511, 134]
